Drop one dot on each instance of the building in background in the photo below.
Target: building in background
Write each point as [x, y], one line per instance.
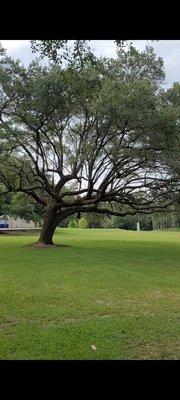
[16, 223]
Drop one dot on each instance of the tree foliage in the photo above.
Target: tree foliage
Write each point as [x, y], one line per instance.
[72, 223]
[23, 206]
[82, 223]
[75, 54]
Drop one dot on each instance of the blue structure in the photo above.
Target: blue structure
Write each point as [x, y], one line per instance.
[3, 224]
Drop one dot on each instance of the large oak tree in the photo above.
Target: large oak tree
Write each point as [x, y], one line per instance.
[88, 135]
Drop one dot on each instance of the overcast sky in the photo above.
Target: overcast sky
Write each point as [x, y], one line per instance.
[169, 50]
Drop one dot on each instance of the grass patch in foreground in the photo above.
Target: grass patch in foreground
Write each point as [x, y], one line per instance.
[118, 290]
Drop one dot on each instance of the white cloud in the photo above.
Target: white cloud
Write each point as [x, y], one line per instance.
[104, 47]
[11, 45]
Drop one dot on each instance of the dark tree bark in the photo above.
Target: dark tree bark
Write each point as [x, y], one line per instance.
[49, 226]
[52, 218]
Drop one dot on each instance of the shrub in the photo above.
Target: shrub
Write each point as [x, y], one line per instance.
[72, 223]
[82, 223]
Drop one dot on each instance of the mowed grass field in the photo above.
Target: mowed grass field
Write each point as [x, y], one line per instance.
[117, 290]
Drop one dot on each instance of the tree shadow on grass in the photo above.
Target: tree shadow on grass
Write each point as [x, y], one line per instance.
[45, 246]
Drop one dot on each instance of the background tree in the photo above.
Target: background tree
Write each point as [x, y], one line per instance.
[105, 126]
[72, 223]
[5, 199]
[95, 220]
[23, 206]
[82, 223]
[1, 201]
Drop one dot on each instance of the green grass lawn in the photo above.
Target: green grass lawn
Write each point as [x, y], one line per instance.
[115, 289]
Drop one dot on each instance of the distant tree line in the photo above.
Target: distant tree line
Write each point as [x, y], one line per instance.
[159, 221]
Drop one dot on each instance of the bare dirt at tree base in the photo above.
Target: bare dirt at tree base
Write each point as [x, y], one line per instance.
[44, 246]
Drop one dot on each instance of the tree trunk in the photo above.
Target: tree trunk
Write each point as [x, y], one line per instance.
[52, 218]
[48, 228]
